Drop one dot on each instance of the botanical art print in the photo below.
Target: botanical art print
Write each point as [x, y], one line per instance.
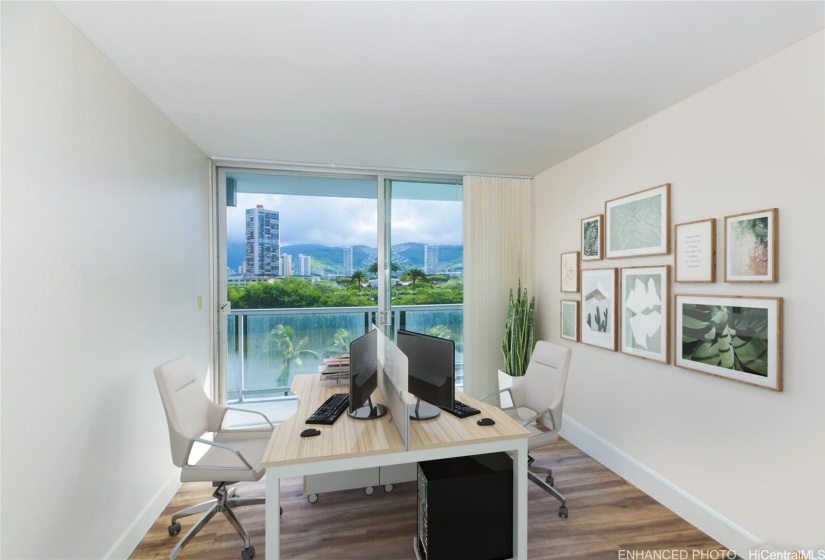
[750, 247]
[639, 224]
[570, 319]
[598, 311]
[645, 312]
[592, 238]
[570, 272]
[734, 337]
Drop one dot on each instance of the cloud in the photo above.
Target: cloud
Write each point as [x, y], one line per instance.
[350, 221]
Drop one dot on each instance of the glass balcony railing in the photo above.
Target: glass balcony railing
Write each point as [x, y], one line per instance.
[268, 347]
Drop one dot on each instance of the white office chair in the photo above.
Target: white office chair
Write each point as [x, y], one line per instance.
[233, 455]
[537, 398]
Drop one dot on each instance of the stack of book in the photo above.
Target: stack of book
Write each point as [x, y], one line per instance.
[334, 368]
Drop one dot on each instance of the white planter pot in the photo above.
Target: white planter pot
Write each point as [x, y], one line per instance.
[505, 381]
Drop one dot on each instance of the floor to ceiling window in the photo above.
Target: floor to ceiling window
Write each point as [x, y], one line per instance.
[308, 262]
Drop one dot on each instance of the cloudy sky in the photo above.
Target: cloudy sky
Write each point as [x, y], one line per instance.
[335, 221]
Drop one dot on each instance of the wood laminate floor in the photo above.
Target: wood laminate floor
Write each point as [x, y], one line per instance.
[606, 515]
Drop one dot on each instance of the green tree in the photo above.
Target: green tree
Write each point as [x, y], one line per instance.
[281, 340]
[414, 275]
[359, 278]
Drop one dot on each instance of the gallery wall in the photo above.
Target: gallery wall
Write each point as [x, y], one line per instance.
[105, 251]
[741, 462]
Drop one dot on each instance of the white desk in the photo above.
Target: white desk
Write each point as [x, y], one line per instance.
[355, 444]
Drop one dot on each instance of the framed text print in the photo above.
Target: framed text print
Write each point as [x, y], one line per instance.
[570, 319]
[738, 338]
[638, 224]
[598, 308]
[751, 247]
[570, 272]
[696, 251]
[645, 312]
[592, 238]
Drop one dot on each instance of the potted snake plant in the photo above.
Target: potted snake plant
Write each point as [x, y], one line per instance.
[519, 339]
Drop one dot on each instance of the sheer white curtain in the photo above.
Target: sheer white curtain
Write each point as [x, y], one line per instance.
[498, 250]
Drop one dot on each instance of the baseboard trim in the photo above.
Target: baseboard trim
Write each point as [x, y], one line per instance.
[131, 537]
[683, 504]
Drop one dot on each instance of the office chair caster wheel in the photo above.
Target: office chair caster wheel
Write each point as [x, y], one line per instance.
[312, 498]
[563, 512]
[174, 529]
[549, 480]
[248, 553]
[388, 488]
[369, 490]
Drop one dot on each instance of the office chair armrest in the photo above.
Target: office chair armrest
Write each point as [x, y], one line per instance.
[268, 421]
[538, 415]
[508, 391]
[214, 444]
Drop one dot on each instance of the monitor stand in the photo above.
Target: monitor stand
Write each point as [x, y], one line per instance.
[423, 410]
[369, 411]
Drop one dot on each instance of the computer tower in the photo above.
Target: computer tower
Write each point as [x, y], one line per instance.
[465, 508]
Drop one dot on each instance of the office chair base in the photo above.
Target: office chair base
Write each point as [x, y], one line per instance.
[224, 502]
[563, 511]
[549, 478]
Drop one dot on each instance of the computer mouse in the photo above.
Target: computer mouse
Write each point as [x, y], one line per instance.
[309, 432]
[486, 422]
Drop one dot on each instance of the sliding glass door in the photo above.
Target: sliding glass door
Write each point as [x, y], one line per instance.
[308, 262]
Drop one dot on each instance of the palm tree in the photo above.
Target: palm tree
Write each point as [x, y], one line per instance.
[282, 340]
[340, 341]
[413, 275]
[359, 278]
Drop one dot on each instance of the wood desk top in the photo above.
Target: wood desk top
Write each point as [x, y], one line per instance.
[348, 437]
[447, 429]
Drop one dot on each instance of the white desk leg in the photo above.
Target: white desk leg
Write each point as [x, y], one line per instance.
[273, 516]
[520, 501]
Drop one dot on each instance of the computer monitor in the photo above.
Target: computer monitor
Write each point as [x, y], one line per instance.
[363, 377]
[431, 374]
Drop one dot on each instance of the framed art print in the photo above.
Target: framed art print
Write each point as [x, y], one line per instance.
[696, 251]
[592, 238]
[638, 224]
[570, 272]
[645, 312]
[738, 338]
[751, 243]
[570, 319]
[598, 308]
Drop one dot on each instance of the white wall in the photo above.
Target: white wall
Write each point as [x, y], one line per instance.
[751, 457]
[104, 252]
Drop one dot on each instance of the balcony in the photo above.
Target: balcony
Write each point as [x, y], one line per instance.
[256, 372]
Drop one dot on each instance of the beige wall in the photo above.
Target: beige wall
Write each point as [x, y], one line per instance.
[751, 459]
[104, 252]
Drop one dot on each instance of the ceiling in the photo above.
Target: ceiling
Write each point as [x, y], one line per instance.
[488, 87]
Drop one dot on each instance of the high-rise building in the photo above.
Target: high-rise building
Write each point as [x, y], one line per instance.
[263, 242]
[286, 264]
[430, 259]
[304, 265]
[348, 261]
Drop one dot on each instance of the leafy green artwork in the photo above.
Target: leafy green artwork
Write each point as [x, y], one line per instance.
[636, 224]
[643, 312]
[734, 338]
[590, 239]
[568, 320]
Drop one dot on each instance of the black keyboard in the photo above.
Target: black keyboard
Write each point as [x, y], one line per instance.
[463, 410]
[332, 408]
